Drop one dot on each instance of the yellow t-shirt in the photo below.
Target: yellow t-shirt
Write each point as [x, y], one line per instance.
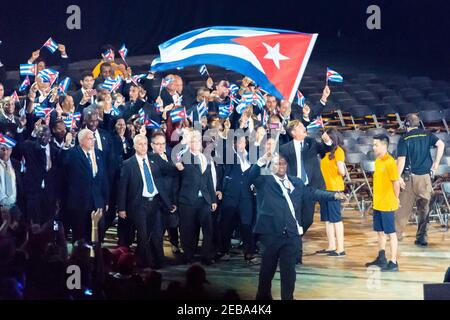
[386, 172]
[333, 180]
[96, 70]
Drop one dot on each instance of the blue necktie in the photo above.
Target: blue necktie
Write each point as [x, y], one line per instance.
[148, 177]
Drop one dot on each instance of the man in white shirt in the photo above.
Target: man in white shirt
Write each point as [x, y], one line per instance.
[142, 194]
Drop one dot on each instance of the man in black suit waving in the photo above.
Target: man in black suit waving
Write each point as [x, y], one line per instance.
[87, 186]
[197, 200]
[279, 212]
[301, 156]
[142, 192]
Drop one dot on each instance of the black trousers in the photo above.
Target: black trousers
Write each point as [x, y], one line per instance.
[126, 232]
[147, 221]
[41, 207]
[236, 213]
[170, 223]
[81, 224]
[282, 249]
[191, 219]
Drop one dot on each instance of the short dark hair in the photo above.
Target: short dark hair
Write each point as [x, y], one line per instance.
[55, 123]
[85, 74]
[107, 47]
[383, 138]
[105, 64]
[158, 134]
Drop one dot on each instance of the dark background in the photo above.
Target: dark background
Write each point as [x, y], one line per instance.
[414, 38]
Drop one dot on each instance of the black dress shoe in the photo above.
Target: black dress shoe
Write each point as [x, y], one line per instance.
[421, 243]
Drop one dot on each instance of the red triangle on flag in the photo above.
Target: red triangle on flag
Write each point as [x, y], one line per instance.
[283, 58]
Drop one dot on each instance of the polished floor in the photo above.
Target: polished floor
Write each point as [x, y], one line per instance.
[323, 277]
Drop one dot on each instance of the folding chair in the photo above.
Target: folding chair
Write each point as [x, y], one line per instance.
[356, 183]
[439, 210]
[368, 167]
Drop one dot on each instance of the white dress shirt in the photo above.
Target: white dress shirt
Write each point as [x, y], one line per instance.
[98, 139]
[287, 187]
[298, 145]
[4, 199]
[145, 192]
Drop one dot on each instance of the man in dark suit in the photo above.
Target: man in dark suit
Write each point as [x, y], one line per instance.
[279, 211]
[135, 102]
[8, 120]
[86, 94]
[238, 201]
[301, 155]
[170, 220]
[103, 142]
[142, 193]
[41, 177]
[196, 199]
[87, 186]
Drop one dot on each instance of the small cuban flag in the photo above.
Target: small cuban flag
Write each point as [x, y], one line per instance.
[333, 76]
[123, 51]
[300, 99]
[7, 141]
[15, 97]
[318, 123]
[178, 114]
[233, 89]
[112, 84]
[28, 69]
[137, 78]
[152, 124]
[71, 120]
[141, 113]
[225, 110]
[48, 75]
[247, 97]
[115, 111]
[63, 86]
[42, 112]
[202, 109]
[25, 84]
[108, 55]
[258, 100]
[203, 70]
[51, 45]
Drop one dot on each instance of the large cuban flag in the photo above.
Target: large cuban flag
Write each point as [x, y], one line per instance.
[274, 59]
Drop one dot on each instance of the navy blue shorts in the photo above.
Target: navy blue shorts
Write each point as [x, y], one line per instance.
[330, 211]
[384, 221]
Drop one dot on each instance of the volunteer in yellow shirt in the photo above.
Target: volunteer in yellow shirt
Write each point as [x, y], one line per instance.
[332, 166]
[386, 189]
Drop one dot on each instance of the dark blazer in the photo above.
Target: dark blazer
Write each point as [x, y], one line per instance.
[131, 107]
[131, 184]
[172, 178]
[273, 213]
[236, 184]
[311, 162]
[85, 192]
[77, 97]
[35, 160]
[192, 181]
